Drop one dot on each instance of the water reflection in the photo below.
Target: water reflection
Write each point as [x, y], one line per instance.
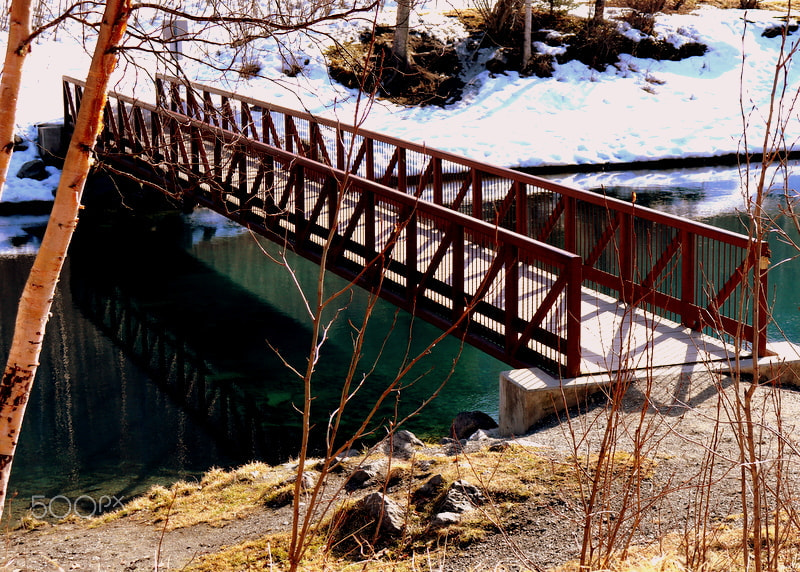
[94, 425]
[700, 194]
[158, 360]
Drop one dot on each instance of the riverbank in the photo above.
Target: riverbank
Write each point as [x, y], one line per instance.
[637, 110]
[533, 514]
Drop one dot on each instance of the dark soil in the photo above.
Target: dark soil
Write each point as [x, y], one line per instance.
[434, 73]
[431, 79]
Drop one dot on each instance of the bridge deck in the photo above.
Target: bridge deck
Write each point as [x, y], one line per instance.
[615, 336]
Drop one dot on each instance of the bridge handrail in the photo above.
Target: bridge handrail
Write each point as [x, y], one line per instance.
[611, 203]
[549, 252]
[511, 249]
[696, 295]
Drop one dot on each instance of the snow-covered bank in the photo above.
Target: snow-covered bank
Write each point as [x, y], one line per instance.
[637, 110]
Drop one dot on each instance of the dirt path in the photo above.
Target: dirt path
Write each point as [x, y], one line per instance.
[127, 545]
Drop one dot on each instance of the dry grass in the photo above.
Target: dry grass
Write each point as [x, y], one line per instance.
[724, 554]
[30, 522]
[220, 496]
[507, 476]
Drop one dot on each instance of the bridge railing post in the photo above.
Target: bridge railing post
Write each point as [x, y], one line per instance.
[521, 200]
[340, 150]
[477, 194]
[244, 176]
[626, 256]
[157, 137]
[160, 95]
[331, 188]
[459, 301]
[69, 104]
[437, 181]
[762, 320]
[369, 225]
[370, 158]
[689, 312]
[210, 114]
[412, 272]
[227, 118]
[401, 170]
[288, 134]
[573, 317]
[313, 144]
[175, 98]
[570, 224]
[511, 303]
[299, 200]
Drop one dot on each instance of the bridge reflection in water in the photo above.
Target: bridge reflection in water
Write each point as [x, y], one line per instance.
[206, 323]
[186, 305]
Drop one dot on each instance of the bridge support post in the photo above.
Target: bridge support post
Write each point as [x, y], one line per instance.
[689, 314]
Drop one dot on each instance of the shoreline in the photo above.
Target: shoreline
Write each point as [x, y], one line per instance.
[42, 207]
[665, 164]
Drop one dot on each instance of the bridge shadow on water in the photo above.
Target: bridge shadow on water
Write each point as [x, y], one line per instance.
[198, 335]
[157, 362]
[208, 341]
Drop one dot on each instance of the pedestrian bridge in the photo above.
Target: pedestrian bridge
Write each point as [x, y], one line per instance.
[537, 274]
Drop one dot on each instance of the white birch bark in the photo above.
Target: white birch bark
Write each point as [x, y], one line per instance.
[37, 296]
[19, 31]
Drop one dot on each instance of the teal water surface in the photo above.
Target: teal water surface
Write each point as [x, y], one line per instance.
[102, 424]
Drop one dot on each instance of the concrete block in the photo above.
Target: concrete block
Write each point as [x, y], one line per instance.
[529, 395]
[782, 366]
[52, 143]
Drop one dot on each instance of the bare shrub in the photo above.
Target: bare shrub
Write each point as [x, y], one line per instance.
[641, 21]
[249, 69]
[646, 6]
[501, 19]
[642, 14]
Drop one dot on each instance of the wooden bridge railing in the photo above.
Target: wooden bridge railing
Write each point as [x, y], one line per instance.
[692, 273]
[516, 298]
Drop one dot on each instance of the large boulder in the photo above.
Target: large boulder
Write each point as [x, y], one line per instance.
[445, 519]
[365, 474]
[400, 444]
[432, 486]
[33, 170]
[384, 511]
[462, 497]
[307, 480]
[467, 422]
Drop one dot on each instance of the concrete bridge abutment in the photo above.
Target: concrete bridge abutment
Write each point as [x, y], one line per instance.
[527, 396]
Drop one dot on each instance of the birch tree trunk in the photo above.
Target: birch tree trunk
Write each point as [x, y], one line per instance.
[37, 296]
[401, 30]
[19, 30]
[599, 11]
[526, 36]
